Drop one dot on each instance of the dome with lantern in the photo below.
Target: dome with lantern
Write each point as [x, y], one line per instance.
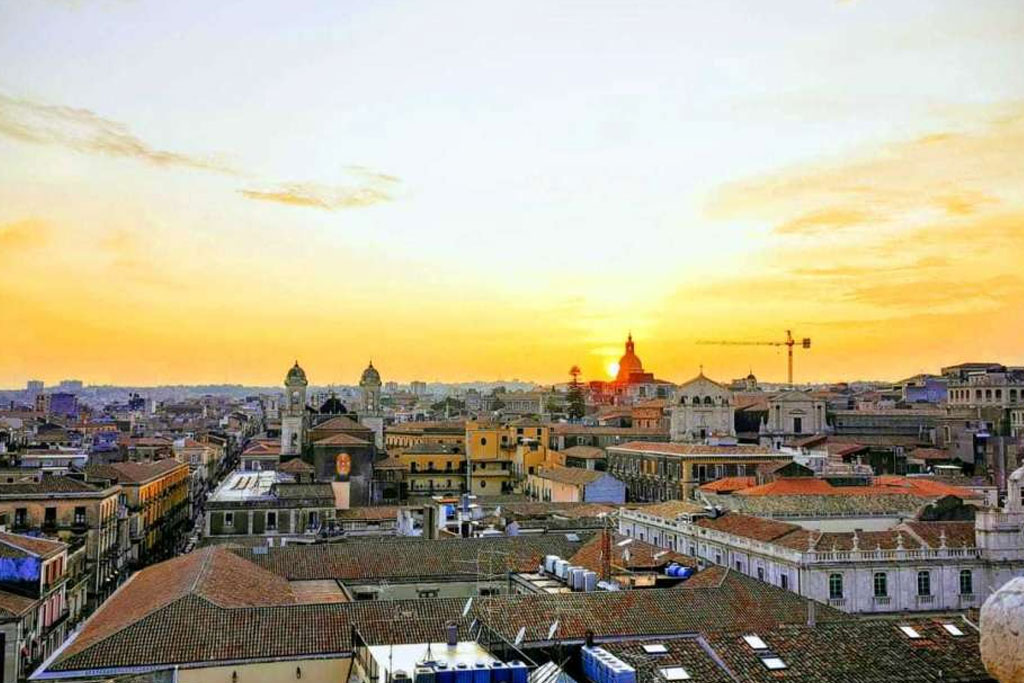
[629, 364]
[370, 376]
[296, 375]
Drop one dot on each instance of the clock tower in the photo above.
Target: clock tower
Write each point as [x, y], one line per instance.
[293, 411]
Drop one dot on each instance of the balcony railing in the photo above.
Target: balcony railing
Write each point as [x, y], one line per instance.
[883, 600]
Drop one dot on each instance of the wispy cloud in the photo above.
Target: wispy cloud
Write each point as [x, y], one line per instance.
[85, 131]
[367, 189]
[23, 234]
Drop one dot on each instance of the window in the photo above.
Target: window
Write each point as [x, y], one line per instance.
[655, 649]
[953, 630]
[755, 642]
[773, 663]
[483, 484]
[50, 517]
[483, 441]
[79, 515]
[760, 573]
[21, 517]
[784, 582]
[835, 586]
[924, 583]
[881, 585]
[229, 519]
[675, 673]
[798, 424]
[966, 582]
[910, 632]
[272, 520]
[739, 566]
[718, 558]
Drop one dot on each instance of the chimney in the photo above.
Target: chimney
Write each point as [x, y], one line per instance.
[453, 634]
[590, 638]
[812, 619]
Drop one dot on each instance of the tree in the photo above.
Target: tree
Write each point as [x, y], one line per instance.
[577, 405]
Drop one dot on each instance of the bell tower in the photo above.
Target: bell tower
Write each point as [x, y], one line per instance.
[293, 411]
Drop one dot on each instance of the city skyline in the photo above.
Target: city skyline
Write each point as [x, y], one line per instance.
[461, 192]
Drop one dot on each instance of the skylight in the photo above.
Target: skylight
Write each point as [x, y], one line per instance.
[773, 663]
[910, 632]
[675, 673]
[953, 630]
[655, 649]
[755, 642]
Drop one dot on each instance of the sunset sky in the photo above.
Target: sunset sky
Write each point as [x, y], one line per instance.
[205, 191]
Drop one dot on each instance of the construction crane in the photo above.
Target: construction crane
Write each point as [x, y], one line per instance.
[789, 343]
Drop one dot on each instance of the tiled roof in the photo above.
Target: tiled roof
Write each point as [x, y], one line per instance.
[341, 439]
[756, 528]
[568, 429]
[295, 466]
[641, 556]
[522, 510]
[585, 453]
[322, 492]
[817, 505]
[573, 476]
[339, 423]
[370, 559]
[263, 447]
[134, 472]
[882, 485]
[12, 605]
[671, 509]
[369, 513]
[729, 484]
[690, 653]
[17, 545]
[693, 448]
[958, 534]
[48, 484]
[389, 463]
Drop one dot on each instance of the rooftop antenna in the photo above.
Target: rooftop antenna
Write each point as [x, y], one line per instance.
[553, 629]
[465, 609]
[520, 636]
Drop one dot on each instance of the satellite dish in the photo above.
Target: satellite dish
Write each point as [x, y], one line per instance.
[465, 609]
[520, 635]
[551, 631]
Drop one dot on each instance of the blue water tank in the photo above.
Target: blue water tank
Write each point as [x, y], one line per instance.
[424, 673]
[444, 673]
[590, 581]
[481, 673]
[463, 673]
[686, 572]
[520, 674]
[500, 673]
[670, 570]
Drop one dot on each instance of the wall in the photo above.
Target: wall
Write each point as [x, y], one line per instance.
[313, 671]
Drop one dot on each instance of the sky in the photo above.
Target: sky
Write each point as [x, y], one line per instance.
[197, 192]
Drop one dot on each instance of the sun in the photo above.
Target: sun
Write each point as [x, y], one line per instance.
[612, 369]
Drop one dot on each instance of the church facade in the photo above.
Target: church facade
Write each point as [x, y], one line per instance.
[703, 409]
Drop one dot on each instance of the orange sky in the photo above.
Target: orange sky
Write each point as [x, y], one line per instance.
[209, 212]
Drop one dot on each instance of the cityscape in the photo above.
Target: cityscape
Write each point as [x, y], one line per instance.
[536, 342]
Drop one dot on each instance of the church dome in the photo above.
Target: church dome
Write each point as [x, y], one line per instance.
[296, 375]
[370, 375]
[630, 363]
[333, 406]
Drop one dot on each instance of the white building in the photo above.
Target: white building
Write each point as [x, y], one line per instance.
[703, 408]
[917, 565]
[792, 414]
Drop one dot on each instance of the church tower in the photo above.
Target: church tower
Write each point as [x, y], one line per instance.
[372, 414]
[293, 411]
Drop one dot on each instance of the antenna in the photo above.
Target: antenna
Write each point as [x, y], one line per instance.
[469, 603]
[520, 636]
[551, 631]
[624, 543]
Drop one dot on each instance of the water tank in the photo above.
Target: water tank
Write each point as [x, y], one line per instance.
[481, 673]
[589, 581]
[549, 563]
[520, 674]
[685, 572]
[670, 570]
[400, 676]
[500, 673]
[600, 666]
[561, 569]
[576, 578]
[444, 673]
[424, 673]
[463, 673]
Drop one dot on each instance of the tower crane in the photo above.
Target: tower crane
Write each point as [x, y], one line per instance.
[789, 343]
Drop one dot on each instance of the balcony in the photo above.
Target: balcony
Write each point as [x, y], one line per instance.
[882, 600]
[837, 602]
[925, 599]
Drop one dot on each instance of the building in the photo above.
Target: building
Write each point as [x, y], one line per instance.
[632, 383]
[792, 415]
[298, 622]
[703, 408]
[372, 414]
[34, 610]
[650, 414]
[502, 455]
[568, 435]
[672, 471]
[922, 388]
[154, 498]
[407, 434]
[293, 411]
[271, 504]
[556, 484]
[583, 457]
[924, 564]
[85, 516]
[434, 469]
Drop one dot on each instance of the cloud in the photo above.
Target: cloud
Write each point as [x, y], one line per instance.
[24, 234]
[375, 188]
[84, 131]
[836, 218]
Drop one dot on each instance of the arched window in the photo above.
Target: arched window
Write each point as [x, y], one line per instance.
[835, 586]
[682, 399]
[483, 441]
[696, 400]
[707, 400]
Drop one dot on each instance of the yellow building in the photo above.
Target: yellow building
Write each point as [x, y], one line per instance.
[501, 456]
[434, 469]
[400, 437]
